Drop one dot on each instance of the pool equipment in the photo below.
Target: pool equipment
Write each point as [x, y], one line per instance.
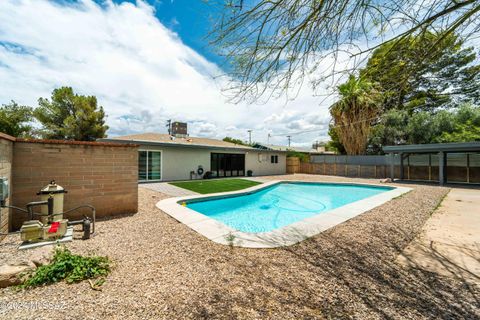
[49, 224]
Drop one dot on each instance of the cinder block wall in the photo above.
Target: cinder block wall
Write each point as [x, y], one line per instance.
[6, 154]
[101, 174]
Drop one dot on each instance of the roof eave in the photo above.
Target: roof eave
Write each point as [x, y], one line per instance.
[434, 147]
[182, 145]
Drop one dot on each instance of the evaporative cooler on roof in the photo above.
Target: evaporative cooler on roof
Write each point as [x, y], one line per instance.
[179, 129]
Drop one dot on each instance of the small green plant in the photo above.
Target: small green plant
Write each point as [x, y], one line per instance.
[69, 267]
[439, 204]
[230, 239]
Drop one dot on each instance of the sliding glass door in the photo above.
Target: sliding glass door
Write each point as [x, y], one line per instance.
[227, 164]
[149, 165]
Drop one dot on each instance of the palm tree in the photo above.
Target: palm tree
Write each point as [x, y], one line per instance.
[353, 114]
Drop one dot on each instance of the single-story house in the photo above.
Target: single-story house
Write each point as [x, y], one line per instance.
[164, 157]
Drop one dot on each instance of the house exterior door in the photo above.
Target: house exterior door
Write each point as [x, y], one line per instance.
[227, 164]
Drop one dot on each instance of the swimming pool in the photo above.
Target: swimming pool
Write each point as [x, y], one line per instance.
[276, 213]
[282, 204]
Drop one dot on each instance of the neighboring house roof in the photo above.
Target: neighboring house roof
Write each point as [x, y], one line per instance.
[168, 140]
[286, 148]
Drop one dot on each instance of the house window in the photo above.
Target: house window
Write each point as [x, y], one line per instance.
[149, 165]
[274, 159]
[262, 157]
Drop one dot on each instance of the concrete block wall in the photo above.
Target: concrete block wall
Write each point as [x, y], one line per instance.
[6, 158]
[101, 174]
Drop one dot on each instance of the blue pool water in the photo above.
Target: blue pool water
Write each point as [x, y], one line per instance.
[282, 204]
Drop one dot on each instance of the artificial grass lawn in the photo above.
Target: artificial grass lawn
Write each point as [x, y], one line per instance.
[213, 186]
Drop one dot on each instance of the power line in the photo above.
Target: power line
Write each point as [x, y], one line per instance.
[293, 133]
[317, 129]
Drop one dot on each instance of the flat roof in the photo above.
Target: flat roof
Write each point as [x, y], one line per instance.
[435, 147]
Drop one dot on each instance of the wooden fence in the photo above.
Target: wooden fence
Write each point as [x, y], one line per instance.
[461, 167]
[362, 166]
[347, 170]
[293, 165]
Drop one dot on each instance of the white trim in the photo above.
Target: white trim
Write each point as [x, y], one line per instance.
[285, 236]
[161, 165]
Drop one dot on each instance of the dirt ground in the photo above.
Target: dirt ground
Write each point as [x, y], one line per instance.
[164, 270]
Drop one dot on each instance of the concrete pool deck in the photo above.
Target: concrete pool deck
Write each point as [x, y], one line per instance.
[285, 236]
[449, 243]
[168, 189]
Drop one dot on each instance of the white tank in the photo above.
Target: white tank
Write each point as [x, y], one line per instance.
[57, 193]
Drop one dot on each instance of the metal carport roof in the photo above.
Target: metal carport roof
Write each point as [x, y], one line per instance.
[434, 147]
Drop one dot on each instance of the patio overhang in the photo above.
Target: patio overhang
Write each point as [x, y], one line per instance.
[442, 149]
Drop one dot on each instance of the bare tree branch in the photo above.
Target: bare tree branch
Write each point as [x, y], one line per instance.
[271, 46]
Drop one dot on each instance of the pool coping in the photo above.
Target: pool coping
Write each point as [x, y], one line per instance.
[285, 236]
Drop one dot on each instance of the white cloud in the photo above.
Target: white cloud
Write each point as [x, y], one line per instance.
[140, 71]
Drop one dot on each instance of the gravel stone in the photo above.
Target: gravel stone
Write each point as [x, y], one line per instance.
[164, 270]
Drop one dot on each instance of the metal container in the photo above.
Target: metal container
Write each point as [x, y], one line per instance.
[31, 231]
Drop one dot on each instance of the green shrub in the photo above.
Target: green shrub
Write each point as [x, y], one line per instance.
[304, 157]
[68, 266]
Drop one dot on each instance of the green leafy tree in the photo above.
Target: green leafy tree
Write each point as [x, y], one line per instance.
[409, 79]
[304, 157]
[71, 116]
[465, 128]
[15, 120]
[417, 89]
[390, 130]
[461, 124]
[334, 144]
[353, 114]
[234, 140]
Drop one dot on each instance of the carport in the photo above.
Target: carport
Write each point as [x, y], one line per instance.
[456, 162]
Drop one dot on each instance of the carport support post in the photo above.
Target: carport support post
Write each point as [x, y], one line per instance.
[392, 165]
[441, 167]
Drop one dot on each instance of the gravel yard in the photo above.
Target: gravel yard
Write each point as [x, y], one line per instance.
[165, 270]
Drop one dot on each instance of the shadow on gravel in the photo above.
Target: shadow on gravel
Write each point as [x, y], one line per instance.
[347, 272]
[375, 278]
[349, 279]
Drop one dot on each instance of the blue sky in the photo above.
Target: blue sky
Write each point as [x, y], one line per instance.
[146, 61]
[191, 19]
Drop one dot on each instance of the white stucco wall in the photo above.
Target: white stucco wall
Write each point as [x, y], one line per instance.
[177, 162]
[260, 163]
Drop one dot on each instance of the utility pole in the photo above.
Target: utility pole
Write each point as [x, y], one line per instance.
[169, 126]
[249, 136]
[289, 139]
[268, 138]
